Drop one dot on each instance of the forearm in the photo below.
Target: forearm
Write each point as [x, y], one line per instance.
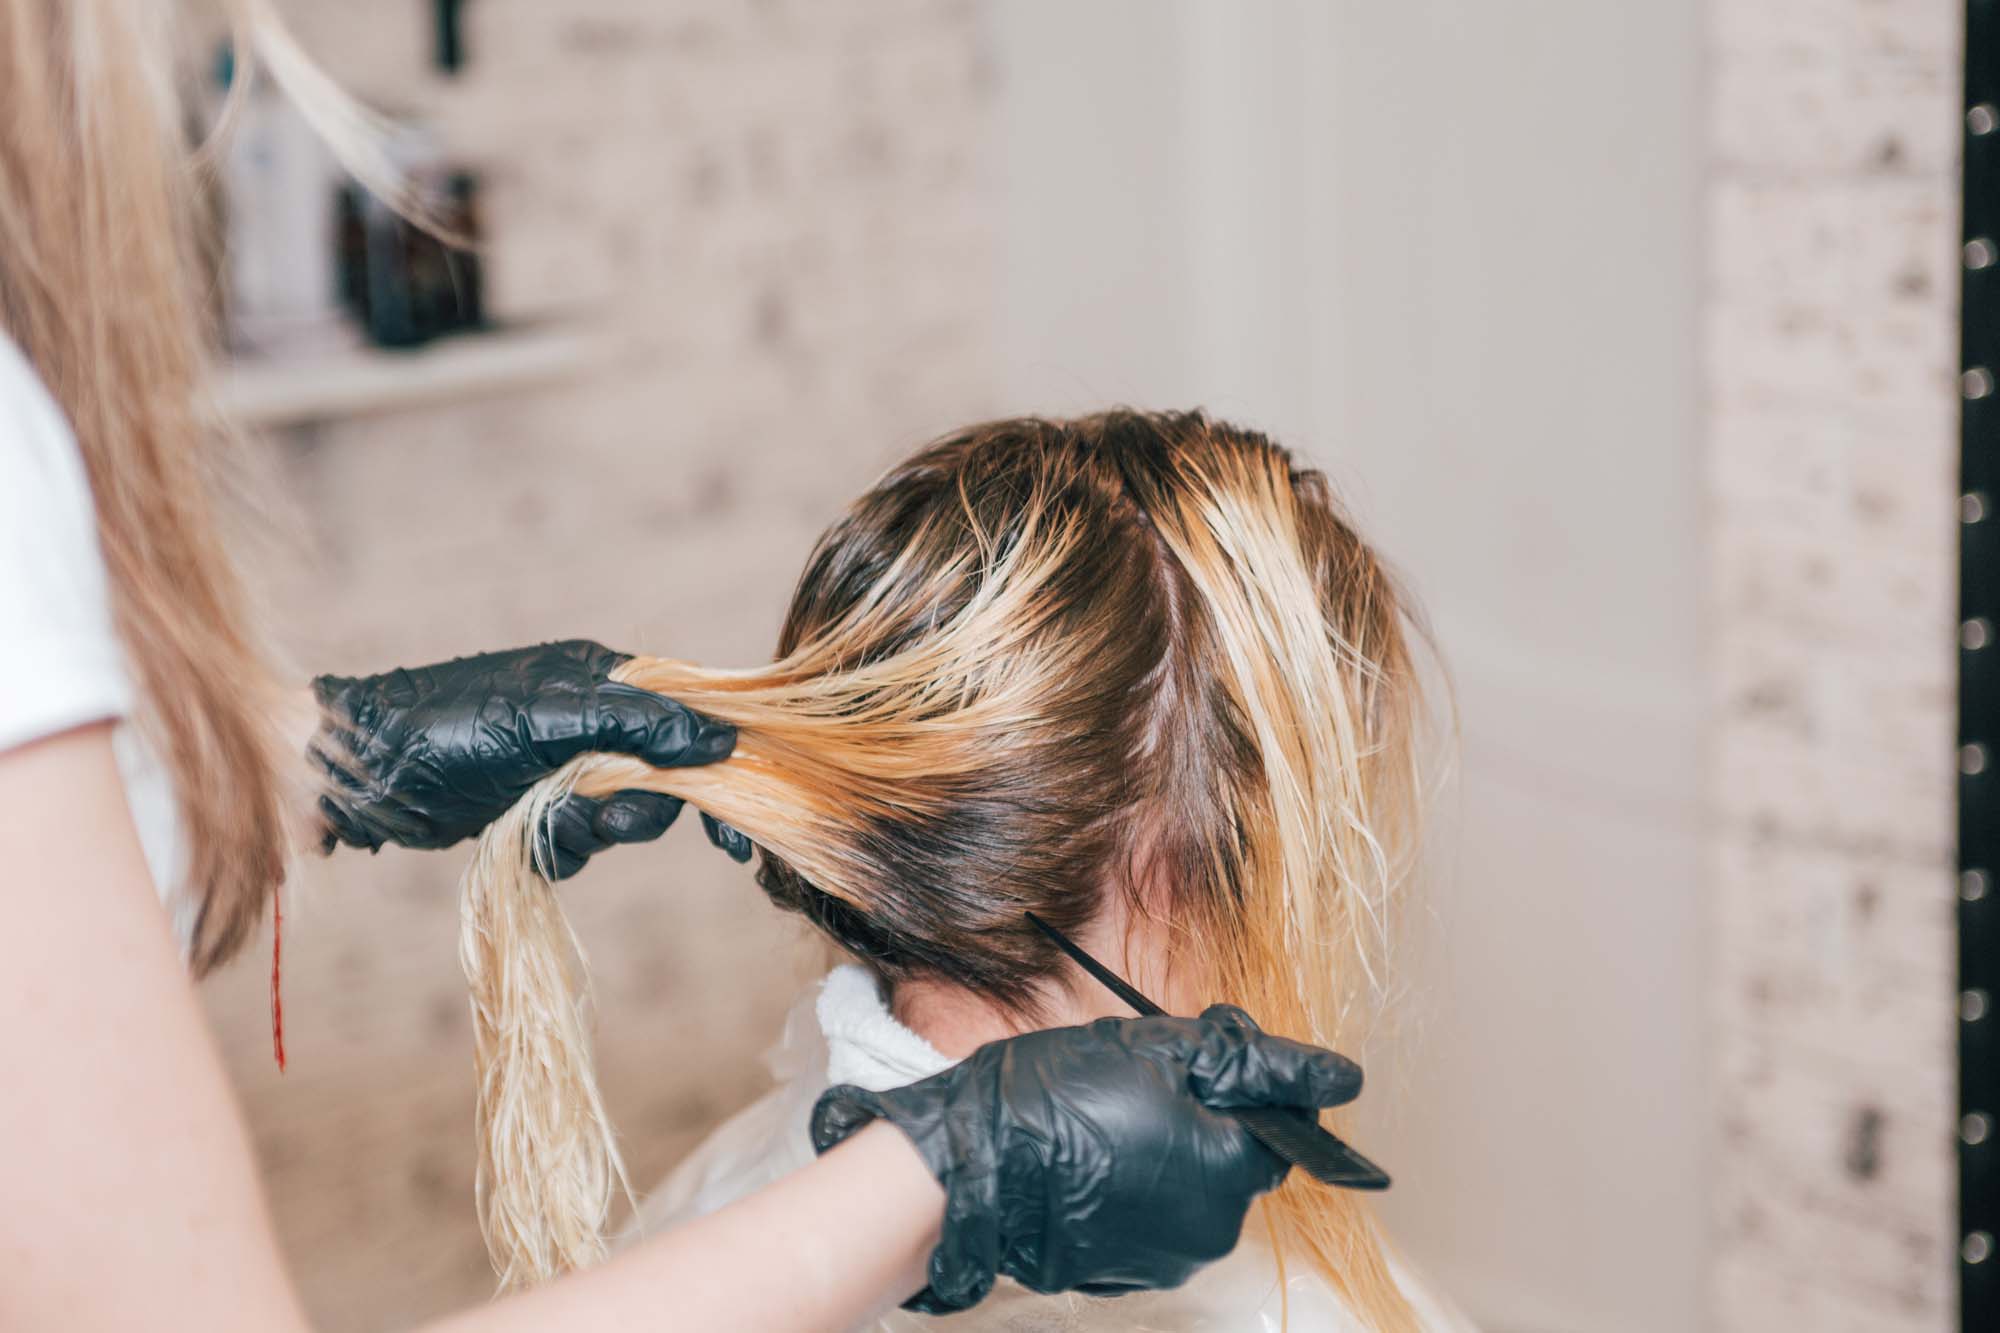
[819, 1250]
[130, 1192]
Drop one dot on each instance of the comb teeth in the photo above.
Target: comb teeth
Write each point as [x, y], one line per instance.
[1297, 1138]
[1308, 1145]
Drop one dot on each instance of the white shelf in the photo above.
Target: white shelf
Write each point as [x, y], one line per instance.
[357, 381]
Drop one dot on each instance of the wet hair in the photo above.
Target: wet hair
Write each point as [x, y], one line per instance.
[1042, 663]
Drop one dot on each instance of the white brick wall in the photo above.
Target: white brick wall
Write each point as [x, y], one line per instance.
[778, 210]
[1830, 346]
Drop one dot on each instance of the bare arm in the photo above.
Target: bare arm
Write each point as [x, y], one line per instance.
[819, 1250]
[129, 1183]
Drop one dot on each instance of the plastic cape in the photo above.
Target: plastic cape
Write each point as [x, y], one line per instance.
[842, 1031]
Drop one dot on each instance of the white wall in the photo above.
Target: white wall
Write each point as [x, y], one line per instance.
[775, 214]
[1447, 248]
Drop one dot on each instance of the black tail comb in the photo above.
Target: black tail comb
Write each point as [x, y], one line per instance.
[1293, 1135]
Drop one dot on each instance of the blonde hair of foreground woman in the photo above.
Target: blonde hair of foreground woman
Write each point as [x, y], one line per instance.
[1041, 662]
[100, 287]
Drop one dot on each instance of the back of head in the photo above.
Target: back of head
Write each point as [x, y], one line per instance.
[1207, 691]
[1043, 663]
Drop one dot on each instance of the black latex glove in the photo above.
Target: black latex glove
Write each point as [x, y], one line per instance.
[427, 756]
[1095, 1158]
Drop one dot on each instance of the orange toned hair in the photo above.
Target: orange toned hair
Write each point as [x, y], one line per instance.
[1041, 663]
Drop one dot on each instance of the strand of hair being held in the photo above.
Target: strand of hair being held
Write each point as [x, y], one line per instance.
[548, 1159]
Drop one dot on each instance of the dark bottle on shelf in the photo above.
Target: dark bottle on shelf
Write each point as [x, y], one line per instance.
[467, 266]
[405, 285]
[350, 239]
[390, 311]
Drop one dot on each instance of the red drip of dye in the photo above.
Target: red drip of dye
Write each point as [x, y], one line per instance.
[277, 995]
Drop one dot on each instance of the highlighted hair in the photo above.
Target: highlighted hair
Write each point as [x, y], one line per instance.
[1040, 663]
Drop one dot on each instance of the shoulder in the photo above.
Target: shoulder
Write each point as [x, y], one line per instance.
[1296, 1297]
[760, 1144]
[1436, 1312]
[1315, 1307]
[33, 433]
[60, 661]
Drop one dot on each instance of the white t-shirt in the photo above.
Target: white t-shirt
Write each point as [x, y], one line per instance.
[61, 664]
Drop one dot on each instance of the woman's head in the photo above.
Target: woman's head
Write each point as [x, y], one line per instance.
[1132, 660]
[1208, 688]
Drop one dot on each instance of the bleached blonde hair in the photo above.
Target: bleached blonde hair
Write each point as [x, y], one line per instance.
[1041, 662]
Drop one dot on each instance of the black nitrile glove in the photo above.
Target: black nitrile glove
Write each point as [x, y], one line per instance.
[427, 756]
[1095, 1159]
[728, 839]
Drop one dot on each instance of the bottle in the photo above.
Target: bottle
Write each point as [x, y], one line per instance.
[277, 177]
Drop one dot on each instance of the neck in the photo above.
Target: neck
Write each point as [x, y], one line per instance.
[958, 1021]
[954, 1020]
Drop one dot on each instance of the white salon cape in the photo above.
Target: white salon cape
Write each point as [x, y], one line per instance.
[842, 1031]
[61, 663]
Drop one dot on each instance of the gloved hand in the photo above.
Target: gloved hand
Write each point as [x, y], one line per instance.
[428, 756]
[1095, 1158]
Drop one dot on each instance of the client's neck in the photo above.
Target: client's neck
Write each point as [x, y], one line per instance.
[958, 1021]
[953, 1019]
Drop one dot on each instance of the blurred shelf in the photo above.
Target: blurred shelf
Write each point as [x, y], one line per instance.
[358, 381]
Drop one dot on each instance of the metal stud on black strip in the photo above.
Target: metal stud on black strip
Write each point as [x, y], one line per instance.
[1977, 758]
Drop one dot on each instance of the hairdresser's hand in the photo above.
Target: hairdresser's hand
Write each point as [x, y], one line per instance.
[427, 756]
[1095, 1158]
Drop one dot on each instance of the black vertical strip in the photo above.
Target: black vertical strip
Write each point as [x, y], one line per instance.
[449, 53]
[1979, 681]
